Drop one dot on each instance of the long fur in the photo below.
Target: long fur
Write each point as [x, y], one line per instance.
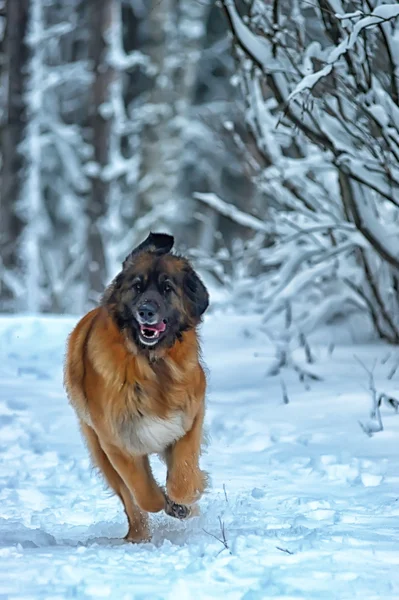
[132, 402]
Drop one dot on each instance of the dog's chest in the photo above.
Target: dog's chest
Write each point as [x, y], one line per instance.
[151, 434]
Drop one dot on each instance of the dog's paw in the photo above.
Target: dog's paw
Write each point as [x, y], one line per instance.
[186, 489]
[178, 511]
[138, 535]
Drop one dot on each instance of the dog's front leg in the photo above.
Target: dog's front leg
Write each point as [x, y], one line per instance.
[137, 475]
[185, 481]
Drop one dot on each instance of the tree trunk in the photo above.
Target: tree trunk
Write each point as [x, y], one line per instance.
[100, 124]
[13, 163]
[177, 29]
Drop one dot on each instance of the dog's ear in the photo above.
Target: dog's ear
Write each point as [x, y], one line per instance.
[196, 294]
[158, 243]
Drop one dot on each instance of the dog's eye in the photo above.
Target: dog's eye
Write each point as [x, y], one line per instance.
[167, 287]
[137, 286]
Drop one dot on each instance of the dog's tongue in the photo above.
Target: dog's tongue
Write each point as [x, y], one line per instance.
[158, 327]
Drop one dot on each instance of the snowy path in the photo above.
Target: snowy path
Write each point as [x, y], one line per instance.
[309, 503]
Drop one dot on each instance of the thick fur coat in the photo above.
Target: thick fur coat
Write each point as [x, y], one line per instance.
[134, 377]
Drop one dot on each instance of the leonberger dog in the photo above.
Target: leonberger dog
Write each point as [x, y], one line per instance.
[134, 377]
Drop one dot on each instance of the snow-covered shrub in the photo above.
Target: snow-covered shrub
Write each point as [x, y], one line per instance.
[321, 85]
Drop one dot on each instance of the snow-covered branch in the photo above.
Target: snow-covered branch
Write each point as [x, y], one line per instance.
[232, 212]
[325, 117]
[381, 14]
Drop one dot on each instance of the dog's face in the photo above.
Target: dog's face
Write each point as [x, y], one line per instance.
[157, 295]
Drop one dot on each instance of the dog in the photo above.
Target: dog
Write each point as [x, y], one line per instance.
[133, 374]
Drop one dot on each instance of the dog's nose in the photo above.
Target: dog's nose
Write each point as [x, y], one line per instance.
[148, 312]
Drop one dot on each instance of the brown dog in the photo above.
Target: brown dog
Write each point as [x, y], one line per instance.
[134, 378]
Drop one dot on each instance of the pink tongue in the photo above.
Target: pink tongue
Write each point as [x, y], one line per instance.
[158, 327]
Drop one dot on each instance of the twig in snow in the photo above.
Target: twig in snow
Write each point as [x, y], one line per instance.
[369, 428]
[392, 372]
[304, 374]
[284, 360]
[305, 345]
[280, 362]
[284, 550]
[286, 399]
[222, 539]
[385, 358]
[389, 401]
[225, 493]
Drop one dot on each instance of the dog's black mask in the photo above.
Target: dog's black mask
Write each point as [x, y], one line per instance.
[157, 295]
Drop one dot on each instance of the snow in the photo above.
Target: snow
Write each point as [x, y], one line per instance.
[308, 502]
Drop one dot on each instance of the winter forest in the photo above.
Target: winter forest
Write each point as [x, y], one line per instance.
[264, 135]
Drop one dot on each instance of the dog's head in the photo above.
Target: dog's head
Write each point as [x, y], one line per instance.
[157, 295]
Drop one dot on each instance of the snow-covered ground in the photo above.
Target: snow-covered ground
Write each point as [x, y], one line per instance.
[308, 502]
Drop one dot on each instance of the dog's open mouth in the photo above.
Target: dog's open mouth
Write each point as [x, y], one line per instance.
[150, 334]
